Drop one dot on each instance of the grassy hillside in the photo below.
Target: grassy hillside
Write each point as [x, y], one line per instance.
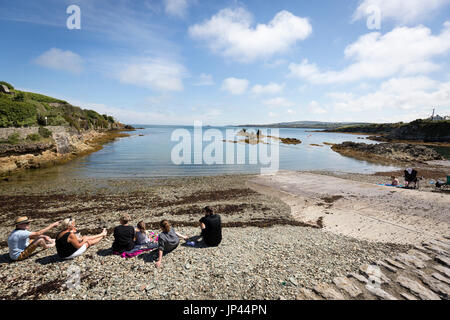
[24, 109]
[305, 124]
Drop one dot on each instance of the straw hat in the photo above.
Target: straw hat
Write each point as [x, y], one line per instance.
[21, 220]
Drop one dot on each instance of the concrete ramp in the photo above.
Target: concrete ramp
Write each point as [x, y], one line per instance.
[358, 209]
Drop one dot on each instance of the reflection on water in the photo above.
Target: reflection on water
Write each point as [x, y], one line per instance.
[149, 155]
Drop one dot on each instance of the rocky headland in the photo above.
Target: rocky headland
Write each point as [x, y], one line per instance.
[60, 148]
[387, 152]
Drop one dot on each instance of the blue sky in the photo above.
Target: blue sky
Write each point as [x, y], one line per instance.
[234, 62]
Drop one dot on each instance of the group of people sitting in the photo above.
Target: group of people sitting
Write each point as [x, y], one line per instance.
[69, 244]
[410, 179]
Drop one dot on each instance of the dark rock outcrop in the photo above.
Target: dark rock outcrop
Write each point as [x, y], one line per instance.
[387, 152]
[7, 150]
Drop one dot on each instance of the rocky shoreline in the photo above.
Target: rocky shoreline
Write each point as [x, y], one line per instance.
[387, 152]
[62, 148]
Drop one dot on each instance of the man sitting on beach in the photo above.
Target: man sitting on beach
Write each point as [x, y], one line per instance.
[19, 244]
[410, 178]
[211, 226]
[124, 236]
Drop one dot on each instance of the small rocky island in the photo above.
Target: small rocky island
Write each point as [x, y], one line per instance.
[257, 138]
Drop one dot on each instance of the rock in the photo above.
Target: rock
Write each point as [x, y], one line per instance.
[395, 263]
[410, 260]
[408, 296]
[436, 285]
[442, 269]
[387, 266]
[63, 145]
[443, 260]
[422, 256]
[417, 288]
[308, 294]
[441, 277]
[348, 286]
[374, 274]
[293, 281]
[379, 293]
[328, 292]
[441, 244]
[359, 277]
[435, 249]
[387, 151]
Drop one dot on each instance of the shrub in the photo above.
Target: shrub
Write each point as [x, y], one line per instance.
[33, 137]
[10, 87]
[19, 96]
[14, 138]
[44, 132]
[16, 114]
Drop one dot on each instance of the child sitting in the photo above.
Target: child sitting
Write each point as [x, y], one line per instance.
[143, 237]
[395, 181]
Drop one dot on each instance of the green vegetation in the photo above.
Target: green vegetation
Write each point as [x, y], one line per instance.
[423, 130]
[44, 132]
[33, 137]
[25, 109]
[14, 138]
[10, 87]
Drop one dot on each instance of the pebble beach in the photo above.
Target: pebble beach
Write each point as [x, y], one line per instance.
[265, 253]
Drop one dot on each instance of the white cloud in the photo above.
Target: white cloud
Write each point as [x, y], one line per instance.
[204, 80]
[408, 95]
[176, 8]
[157, 74]
[235, 86]
[403, 51]
[230, 33]
[58, 59]
[278, 102]
[291, 112]
[402, 11]
[315, 108]
[271, 88]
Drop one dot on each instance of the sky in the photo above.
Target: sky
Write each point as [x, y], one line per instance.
[229, 62]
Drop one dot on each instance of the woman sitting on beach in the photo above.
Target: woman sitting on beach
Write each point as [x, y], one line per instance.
[69, 245]
[168, 240]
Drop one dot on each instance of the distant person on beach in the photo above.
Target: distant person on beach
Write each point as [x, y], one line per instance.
[410, 177]
[19, 244]
[124, 236]
[168, 240]
[394, 181]
[211, 226]
[69, 245]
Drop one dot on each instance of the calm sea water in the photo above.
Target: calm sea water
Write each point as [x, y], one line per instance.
[150, 156]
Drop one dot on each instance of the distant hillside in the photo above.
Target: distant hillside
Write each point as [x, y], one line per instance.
[26, 109]
[418, 130]
[305, 124]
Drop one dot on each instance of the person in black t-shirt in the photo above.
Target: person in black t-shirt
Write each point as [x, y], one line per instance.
[124, 236]
[211, 226]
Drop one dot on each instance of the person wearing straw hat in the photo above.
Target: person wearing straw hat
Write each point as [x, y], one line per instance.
[19, 244]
